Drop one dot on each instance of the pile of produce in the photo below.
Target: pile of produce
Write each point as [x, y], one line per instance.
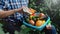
[35, 19]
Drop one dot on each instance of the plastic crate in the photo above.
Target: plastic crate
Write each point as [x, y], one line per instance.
[35, 27]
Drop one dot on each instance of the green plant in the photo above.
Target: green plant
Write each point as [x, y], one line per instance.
[41, 6]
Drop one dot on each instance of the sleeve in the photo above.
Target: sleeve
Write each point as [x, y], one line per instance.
[24, 2]
[2, 4]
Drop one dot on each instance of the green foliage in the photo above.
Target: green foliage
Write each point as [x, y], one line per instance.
[41, 6]
[37, 5]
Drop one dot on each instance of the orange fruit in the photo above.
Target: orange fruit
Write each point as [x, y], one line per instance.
[40, 22]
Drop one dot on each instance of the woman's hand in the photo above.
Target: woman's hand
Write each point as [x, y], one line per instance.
[48, 27]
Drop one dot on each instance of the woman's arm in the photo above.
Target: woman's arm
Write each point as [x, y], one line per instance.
[4, 14]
